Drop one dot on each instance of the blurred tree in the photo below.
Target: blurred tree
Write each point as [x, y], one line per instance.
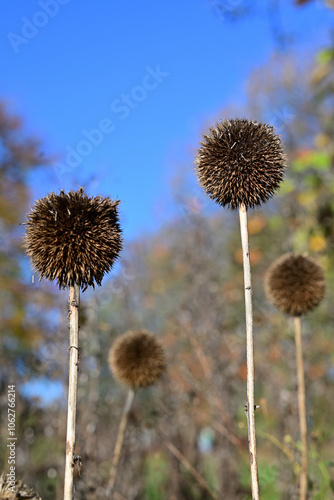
[18, 155]
[27, 313]
[328, 3]
[236, 10]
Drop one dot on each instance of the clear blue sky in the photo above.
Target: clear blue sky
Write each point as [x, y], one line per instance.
[147, 74]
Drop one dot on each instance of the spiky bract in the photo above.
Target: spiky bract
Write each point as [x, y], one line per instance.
[137, 359]
[240, 162]
[17, 491]
[295, 284]
[73, 238]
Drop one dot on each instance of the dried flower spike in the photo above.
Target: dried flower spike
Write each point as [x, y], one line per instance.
[137, 359]
[240, 162]
[19, 490]
[72, 238]
[295, 284]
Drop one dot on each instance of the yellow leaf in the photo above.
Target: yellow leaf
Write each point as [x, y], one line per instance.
[321, 140]
[318, 243]
[306, 198]
[319, 73]
[256, 224]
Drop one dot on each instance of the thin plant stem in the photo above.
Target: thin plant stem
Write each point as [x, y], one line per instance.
[301, 408]
[73, 307]
[118, 496]
[187, 465]
[226, 428]
[276, 442]
[119, 442]
[250, 407]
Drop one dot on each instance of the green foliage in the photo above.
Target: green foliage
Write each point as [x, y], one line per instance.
[312, 160]
[321, 476]
[268, 480]
[211, 472]
[325, 56]
[156, 477]
[41, 450]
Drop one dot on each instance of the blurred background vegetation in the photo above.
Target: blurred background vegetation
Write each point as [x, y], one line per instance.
[185, 283]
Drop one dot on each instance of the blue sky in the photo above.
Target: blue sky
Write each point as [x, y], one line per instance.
[119, 92]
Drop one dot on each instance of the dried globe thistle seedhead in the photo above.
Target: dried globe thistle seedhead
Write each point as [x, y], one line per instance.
[295, 284]
[73, 238]
[17, 491]
[240, 162]
[137, 359]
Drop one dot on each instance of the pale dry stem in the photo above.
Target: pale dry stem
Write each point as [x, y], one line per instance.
[301, 408]
[187, 465]
[119, 442]
[73, 305]
[250, 353]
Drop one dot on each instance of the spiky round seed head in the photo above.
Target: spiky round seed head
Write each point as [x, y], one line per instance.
[295, 284]
[73, 238]
[137, 359]
[240, 162]
[19, 491]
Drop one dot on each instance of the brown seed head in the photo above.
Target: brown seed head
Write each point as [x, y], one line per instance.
[137, 359]
[295, 284]
[19, 491]
[72, 238]
[240, 162]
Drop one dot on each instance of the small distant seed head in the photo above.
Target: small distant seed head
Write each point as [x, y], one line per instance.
[73, 238]
[137, 359]
[240, 162]
[295, 284]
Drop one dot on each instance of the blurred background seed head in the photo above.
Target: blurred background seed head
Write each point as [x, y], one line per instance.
[137, 359]
[295, 284]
